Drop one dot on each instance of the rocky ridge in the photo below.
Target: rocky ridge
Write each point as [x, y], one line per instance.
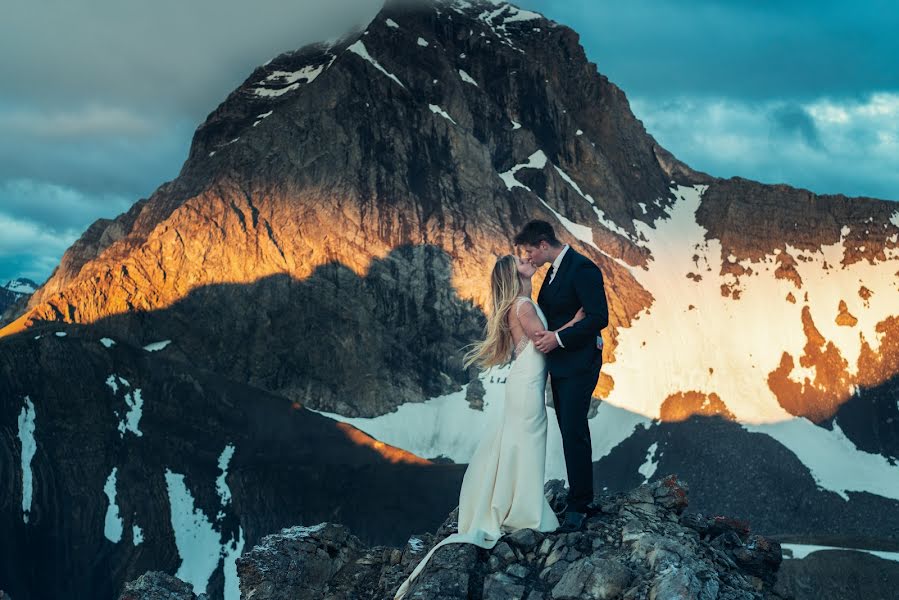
[640, 546]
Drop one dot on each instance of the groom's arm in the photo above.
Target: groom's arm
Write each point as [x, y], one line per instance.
[591, 293]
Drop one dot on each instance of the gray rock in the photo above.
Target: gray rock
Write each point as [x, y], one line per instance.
[156, 585]
[499, 586]
[298, 562]
[675, 583]
[504, 553]
[518, 570]
[524, 538]
[595, 578]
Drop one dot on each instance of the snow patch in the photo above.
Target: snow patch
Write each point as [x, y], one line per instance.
[537, 160]
[467, 78]
[60, 334]
[19, 286]
[359, 49]
[108, 342]
[197, 541]
[648, 468]
[111, 382]
[392, 23]
[156, 346]
[516, 15]
[803, 550]
[291, 79]
[221, 485]
[834, 461]
[29, 448]
[231, 551]
[447, 426]
[113, 526]
[578, 132]
[895, 218]
[439, 111]
[600, 214]
[581, 232]
[131, 421]
[137, 535]
[416, 545]
[422, 42]
[515, 125]
[298, 532]
[261, 117]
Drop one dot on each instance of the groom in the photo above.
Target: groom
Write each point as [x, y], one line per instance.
[573, 355]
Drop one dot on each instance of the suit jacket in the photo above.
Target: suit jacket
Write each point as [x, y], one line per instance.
[578, 283]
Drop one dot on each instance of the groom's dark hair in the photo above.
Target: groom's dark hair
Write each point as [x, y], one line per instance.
[535, 232]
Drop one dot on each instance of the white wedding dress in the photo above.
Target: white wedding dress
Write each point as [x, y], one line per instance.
[502, 489]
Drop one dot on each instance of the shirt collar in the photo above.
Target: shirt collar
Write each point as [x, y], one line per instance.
[558, 260]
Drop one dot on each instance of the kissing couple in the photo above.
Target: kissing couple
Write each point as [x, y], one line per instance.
[502, 490]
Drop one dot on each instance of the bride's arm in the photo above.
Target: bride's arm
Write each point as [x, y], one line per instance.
[530, 322]
[579, 316]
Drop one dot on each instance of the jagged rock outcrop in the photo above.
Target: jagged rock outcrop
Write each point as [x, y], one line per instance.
[641, 546]
[156, 585]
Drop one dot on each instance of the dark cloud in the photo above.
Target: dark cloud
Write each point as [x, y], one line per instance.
[163, 57]
[794, 120]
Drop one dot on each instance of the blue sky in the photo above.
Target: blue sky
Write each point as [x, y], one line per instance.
[98, 106]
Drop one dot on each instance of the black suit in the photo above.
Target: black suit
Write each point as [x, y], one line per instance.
[574, 368]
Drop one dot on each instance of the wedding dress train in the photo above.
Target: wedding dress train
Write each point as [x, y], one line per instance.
[502, 490]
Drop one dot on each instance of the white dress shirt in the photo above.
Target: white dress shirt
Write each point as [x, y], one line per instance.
[552, 276]
[558, 262]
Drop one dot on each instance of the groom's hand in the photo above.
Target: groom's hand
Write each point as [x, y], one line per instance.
[546, 341]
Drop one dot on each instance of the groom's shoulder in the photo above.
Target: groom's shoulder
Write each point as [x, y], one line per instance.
[580, 260]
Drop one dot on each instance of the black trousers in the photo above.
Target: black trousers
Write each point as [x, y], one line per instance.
[571, 396]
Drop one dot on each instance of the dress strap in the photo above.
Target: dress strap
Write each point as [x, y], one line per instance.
[521, 300]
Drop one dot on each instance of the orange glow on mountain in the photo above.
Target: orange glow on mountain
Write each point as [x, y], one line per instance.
[389, 453]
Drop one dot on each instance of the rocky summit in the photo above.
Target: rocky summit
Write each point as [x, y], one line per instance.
[641, 546]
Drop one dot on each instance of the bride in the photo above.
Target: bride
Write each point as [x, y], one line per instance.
[502, 489]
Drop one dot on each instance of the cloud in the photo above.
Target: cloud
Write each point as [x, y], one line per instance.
[28, 249]
[167, 56]
[828, 146]
[88, 121]
[791, 119]
[40, 221]
[57, 208]
[741, 48]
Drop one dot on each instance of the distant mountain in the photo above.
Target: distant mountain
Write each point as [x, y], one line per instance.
[327, 245]
[15, 290]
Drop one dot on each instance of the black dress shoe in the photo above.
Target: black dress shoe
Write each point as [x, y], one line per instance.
[573, 521]
[593, 509]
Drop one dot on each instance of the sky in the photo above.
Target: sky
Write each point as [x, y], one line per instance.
[100, 98]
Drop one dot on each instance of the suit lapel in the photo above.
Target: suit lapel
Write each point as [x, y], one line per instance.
[548, 290]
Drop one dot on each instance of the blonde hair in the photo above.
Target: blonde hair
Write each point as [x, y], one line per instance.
[505, 286]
